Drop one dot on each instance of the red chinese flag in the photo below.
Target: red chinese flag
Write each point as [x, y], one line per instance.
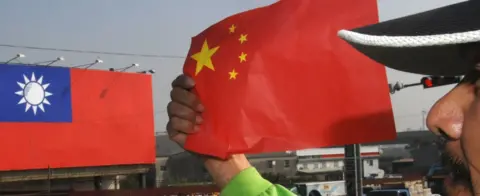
[278, 78]
[58, 117]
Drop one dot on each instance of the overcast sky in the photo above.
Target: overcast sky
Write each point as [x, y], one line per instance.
[163, 27]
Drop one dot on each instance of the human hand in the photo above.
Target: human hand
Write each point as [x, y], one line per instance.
[184, 110]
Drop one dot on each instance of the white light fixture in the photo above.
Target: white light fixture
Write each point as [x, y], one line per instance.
[86, 66]
[19, 55]
[125, 68]
[97, 61]
[60, 58]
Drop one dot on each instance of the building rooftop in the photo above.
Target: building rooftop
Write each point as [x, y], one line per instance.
[410, 137]
[165, 147]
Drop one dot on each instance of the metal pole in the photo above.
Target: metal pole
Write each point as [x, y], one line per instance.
[353, 170]
[359, 170]
[410, 85]
[117, 183]
[142, 180]
[49, 184]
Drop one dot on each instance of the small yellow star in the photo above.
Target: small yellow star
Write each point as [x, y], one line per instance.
[243, 38]
[232, 28]
[233, 74]
[204, 57]
[243, 57]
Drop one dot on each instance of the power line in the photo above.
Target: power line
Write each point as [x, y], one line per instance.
[93, 52]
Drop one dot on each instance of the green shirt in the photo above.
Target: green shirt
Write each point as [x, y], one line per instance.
[250, 183]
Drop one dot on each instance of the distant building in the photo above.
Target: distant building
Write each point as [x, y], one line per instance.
[185, 168]
[275, 166]
[165, 148]
[174, 165]
[413, 152]
[68, 179]
[327, 164]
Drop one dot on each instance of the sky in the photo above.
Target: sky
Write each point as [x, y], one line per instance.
[165, 27]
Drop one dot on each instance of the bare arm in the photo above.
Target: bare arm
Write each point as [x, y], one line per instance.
[222, 171]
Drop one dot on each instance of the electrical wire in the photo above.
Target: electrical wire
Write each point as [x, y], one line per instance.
[93, 52]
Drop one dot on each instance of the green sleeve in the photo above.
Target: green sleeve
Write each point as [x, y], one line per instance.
[250, 183]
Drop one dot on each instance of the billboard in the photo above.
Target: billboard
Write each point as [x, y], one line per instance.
[61, 117]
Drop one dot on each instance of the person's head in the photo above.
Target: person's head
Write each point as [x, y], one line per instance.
[442, 42]
[455, 119]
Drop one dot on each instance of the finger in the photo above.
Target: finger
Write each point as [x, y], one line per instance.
[180, 111]
[186, 98]
[198, 119]
[183, 112]
[176, 136]
[182, 125]
[184, 82]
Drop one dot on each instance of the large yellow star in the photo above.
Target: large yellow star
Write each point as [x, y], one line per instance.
[243, 38]
[233, 74]
[242, 57]
[204, 57]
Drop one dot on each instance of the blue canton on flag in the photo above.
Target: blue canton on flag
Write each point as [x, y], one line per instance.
[35, 94]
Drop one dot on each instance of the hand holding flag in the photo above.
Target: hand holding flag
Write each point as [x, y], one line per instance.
[277, 78]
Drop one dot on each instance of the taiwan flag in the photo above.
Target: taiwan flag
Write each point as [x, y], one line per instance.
[61, 117]
[33, 89]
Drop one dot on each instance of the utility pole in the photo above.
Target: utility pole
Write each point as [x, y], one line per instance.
[353, 170]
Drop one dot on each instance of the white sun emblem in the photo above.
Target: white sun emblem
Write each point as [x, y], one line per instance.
[33, 93]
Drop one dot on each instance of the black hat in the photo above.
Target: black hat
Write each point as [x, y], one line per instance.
[437, 42]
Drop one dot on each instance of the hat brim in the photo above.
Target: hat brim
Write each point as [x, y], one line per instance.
[435, 42]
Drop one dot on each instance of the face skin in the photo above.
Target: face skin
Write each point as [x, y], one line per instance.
[455, 118]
